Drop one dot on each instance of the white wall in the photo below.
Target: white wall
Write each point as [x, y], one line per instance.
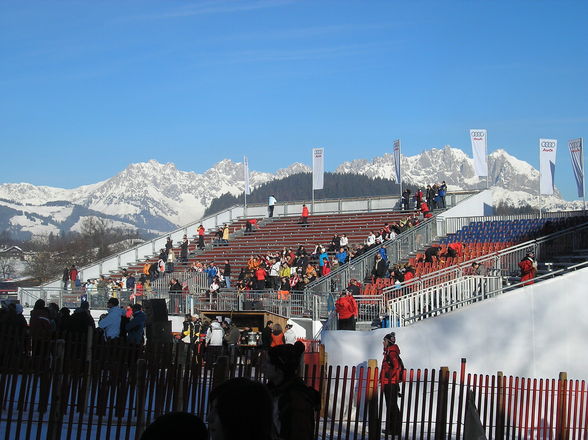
[536, 331]
[477, 205]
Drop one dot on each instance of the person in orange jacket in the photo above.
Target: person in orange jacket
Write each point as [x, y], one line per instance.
[304, 216]
[347, 309]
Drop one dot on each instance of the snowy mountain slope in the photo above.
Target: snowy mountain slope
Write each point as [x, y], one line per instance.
[158, 197]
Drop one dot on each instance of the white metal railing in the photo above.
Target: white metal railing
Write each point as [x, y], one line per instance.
[447, 289]
[505, 261]
[441, 298]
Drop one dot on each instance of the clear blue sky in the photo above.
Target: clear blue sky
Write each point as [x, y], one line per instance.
[91, 86]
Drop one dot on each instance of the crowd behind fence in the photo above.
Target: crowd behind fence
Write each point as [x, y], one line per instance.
[86, 388]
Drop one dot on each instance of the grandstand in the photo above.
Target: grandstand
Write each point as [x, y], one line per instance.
[467, 221]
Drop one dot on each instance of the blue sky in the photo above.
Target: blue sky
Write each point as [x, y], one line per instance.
[89, 87]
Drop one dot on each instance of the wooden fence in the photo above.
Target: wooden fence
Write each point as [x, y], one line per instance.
[85, 388]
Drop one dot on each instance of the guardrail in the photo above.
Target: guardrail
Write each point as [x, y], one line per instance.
[448, 289]
[360, 267]
[505, 261]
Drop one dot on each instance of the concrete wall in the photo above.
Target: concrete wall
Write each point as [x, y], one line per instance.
[536, 331]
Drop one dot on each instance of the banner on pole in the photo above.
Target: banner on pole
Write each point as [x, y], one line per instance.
[547, 152]
[577, 154]
[246, 175]
[396, 169]
[479, 138]
[318, 168]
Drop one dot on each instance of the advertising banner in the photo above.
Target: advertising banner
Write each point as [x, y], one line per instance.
[396, 156]
[547, 151]
[318, 168]
[246, 175]
[480, 151]
[577, 154]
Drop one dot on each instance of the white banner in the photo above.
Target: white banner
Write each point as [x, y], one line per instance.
[246, 175]
[547, 151]
[396, 156]
[577, 154]
[479, 138]
[318, 168]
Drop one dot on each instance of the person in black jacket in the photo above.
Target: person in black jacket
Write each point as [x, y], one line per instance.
[266, 335]
[296, 402]
[380, 267]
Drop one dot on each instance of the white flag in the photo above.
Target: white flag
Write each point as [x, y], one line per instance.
[577, 153]
[479, 138]
[318, 168]
[396, 156]
[547, 151]
[246, 175]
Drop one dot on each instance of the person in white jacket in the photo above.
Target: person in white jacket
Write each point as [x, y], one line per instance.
[214, 342]
[290, 334]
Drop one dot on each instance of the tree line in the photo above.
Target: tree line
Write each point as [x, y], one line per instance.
[298, 187]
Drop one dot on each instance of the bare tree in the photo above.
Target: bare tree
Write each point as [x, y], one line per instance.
[7, 268]
[43, 266]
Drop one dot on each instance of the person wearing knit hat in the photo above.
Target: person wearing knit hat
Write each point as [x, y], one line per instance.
[296, 403]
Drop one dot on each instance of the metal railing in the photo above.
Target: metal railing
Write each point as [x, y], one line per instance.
[360, 267]
[289, 304]
[505, 261]
[448, 289]
[151, 247]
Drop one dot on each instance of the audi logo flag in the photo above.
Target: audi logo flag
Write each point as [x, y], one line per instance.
[318, 168]
[547, 151]
[396, 156]
[577, 153]
[480, 151]
[246, 175]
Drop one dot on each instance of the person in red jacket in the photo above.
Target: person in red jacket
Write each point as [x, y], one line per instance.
[304, 216]
[260, 275]
[455, 249]
[390, 378]
[201, 232]
[426, 211]
[346, 308]
[528, 266]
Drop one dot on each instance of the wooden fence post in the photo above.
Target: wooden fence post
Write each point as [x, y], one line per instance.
[374, 423]
[221, 371]
[499, 406]
[140, 406]
[442, 396]
[56, 413]
[561, 430]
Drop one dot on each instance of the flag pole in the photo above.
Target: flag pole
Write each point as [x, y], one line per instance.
[246, 183]
[583, 173]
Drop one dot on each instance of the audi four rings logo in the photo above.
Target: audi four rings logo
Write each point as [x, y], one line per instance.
[575, 144]
[548, 144]
[478, 133]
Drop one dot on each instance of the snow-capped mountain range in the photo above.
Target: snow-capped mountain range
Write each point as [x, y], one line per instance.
[159, 197]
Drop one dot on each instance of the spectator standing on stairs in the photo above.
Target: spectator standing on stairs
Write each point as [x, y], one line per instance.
[201, 232]
[304, 216]
[227, 273]
[271, 203]
[225, 238]
[184, 250]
